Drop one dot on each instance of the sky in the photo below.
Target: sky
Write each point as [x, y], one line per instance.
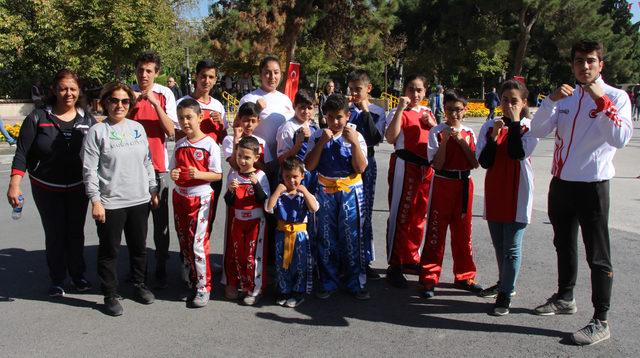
[203, 8]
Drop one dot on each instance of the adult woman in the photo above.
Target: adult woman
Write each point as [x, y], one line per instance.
[327, 90]
[120, 182]
[49, 149]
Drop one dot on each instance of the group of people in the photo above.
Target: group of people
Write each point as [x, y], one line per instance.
[310, 191]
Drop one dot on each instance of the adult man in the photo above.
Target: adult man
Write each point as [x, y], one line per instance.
[591, 121]
[175, 89]
[155, 109]
[491, 101]
[436, 103]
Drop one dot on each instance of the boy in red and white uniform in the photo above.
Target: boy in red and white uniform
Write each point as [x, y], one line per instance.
[245, 255]
[410, 176]
[195, 164]
[591, 121]
[451, 151]
[155, 109]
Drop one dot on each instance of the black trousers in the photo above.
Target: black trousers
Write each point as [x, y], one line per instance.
[133, 221]
[63, 216]
[161, 222]
[573, 204]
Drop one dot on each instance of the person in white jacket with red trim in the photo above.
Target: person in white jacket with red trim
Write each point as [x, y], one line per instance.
[591, 121]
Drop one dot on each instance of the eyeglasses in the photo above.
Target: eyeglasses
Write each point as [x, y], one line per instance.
[115, 101]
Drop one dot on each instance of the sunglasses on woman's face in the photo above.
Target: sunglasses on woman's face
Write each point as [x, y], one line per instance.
[115, 101]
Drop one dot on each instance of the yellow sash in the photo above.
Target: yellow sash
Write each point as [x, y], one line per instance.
[342, 184]
[290, 230]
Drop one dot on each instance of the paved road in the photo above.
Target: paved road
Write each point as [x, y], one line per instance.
[393, 322]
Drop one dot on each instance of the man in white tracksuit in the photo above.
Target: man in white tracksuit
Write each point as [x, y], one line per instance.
[591, 121]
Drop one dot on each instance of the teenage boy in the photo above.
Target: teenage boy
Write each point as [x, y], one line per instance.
[369, 119]
[590, 121]
[155, 109]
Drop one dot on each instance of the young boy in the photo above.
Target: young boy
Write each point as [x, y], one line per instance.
[451, 151]
[195, 165]
[244, 255]
[293, 135]
[369, 120]
[339, 154]
[247, 120]
[155, 109]
[290, 203]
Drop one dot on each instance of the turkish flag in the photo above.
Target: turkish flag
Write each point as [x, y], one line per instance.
[293, 75]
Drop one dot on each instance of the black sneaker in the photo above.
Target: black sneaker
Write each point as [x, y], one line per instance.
[468, 285]
[361, 295]
[396, 278]
[112, 306]
[490, 292]
[428, 292]
[56, 291]
[323, 294]
[82, 284]
[372, 274]
[501, 307]
[596, 331]
[143, 295]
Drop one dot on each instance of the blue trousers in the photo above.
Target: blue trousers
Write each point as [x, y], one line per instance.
[369, 184]
[340, 248]
[298, 277]
[507, 243]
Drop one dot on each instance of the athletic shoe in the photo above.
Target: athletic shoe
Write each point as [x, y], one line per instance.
[372, 274]
[281, 300]
[56, 291]
[112, 306]
[501, 307]
[249, 300]
[323, 294]
[142, 294]
[396, 278]
[596, 331]
[230, 292]
[556, 305]
[428, 292]
[82, 284]
[468, 285]
[361, 295]
[492, 292]
[200, 300]
[295, 300]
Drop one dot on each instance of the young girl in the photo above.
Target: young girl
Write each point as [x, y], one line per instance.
[504, 147]
[409, 180]
[451, 150]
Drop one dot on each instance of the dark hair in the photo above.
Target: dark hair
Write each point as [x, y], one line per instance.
[453, 96]
[268, 58]
[107, 92]
[292, 163]
[59, 76]
[189, 103]
[303, 97]
[249, 109]
[147, 57]
[586, 46]
[250, 143]
[335, 102]
[206, 65]
[358, 75]
[412, 78]
[516, 85]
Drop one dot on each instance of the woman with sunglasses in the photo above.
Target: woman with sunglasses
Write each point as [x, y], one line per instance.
[120, 182]
[48, 149]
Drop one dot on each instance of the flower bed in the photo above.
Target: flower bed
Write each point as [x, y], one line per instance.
[474, 109]
[13, 130]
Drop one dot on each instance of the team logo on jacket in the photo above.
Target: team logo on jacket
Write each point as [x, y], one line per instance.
[198, 154]
[593, 113]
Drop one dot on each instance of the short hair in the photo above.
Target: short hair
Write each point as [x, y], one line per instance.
[107, 92]
[587, 46]
[335, 102]
[358, 75]
[249, 109]
[147, 57]
[303, 97]
[66, 73]
[292, 163]
[453, 96]
[250, 143]
[268, 58]
[412, 78]
[206, 65]
[189, 103]
[521, 87]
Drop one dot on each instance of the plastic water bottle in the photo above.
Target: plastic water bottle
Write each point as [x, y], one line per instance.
[17, 211]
